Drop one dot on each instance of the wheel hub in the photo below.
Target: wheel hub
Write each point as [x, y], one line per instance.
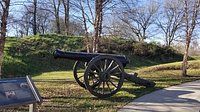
[105, 76]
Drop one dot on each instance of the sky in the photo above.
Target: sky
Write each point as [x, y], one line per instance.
[17, 7]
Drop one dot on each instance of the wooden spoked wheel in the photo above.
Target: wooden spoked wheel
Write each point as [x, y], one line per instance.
[78, 72]
[104, 76]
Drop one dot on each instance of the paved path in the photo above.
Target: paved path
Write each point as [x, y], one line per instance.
[181, 98]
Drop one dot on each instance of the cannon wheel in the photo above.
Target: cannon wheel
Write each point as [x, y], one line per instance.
[78, 71]
[104, 76]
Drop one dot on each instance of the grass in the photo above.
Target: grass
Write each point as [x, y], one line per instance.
[33, 55]
[55, 82]
[193, 64]
[62, 94]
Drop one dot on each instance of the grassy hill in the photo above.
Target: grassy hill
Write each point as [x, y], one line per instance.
[33, 54]
[55, 82]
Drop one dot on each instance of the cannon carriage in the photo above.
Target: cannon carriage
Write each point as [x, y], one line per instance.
[101, 74]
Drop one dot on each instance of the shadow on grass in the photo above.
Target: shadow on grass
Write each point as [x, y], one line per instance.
[19, 66]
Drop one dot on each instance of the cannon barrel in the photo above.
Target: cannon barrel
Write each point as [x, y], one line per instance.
[86, 57]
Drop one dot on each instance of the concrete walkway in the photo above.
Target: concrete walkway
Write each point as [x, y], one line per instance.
[181, 98]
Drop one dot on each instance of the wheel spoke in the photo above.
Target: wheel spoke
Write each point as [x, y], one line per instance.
[99, 85]
[105, 64]
[80, 76]
[103, 87]
[97, 68]
[108, 86]
[110, 65]
[95, 84]
[117, 74]
[112, 83]
[101, 65]
[110, 71]
[114, 78]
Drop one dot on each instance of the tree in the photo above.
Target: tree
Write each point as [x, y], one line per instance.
[4, 17]
[34, 17]
[99, 12]
[56, 7]
[191, 13]
[97, 24]
[139, 18]
[94, 18]
[53, 7]
[43, 20]
[66, 13]
[31, 9]
[194, 48]
[75, 27]
[85, 19]
[171, 20]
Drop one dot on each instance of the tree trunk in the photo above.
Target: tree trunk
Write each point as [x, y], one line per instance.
[2, 43]
[57, 16]
[58, 24]
[190, 23]
[185, 60]
[34, 17]
[98, 24]
[66, 20]
[5, 6]
[87, 40]
[27, 31]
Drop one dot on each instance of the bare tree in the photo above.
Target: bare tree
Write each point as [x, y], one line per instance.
[139, 18]
[191, 13]
[94, 18]
[171, 20]
[43, 20]
[31, 9]
[75, 27]
[34, 17]
[4, 17]
[25, 23]
[53, 7]
[85, 19]
[97, 24]
[56, 7]
[99, 6]
[194, 48]
[66, 14]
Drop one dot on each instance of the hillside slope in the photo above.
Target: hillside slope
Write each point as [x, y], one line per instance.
[33, 54]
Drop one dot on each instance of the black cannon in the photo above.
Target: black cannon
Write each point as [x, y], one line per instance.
[101, 74]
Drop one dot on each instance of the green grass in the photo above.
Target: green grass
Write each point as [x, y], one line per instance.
[194, 64]
[196, 57]
[33, 55]
[55, 82]
[62, 94]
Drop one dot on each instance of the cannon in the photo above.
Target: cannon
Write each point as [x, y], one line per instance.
[101, 74]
